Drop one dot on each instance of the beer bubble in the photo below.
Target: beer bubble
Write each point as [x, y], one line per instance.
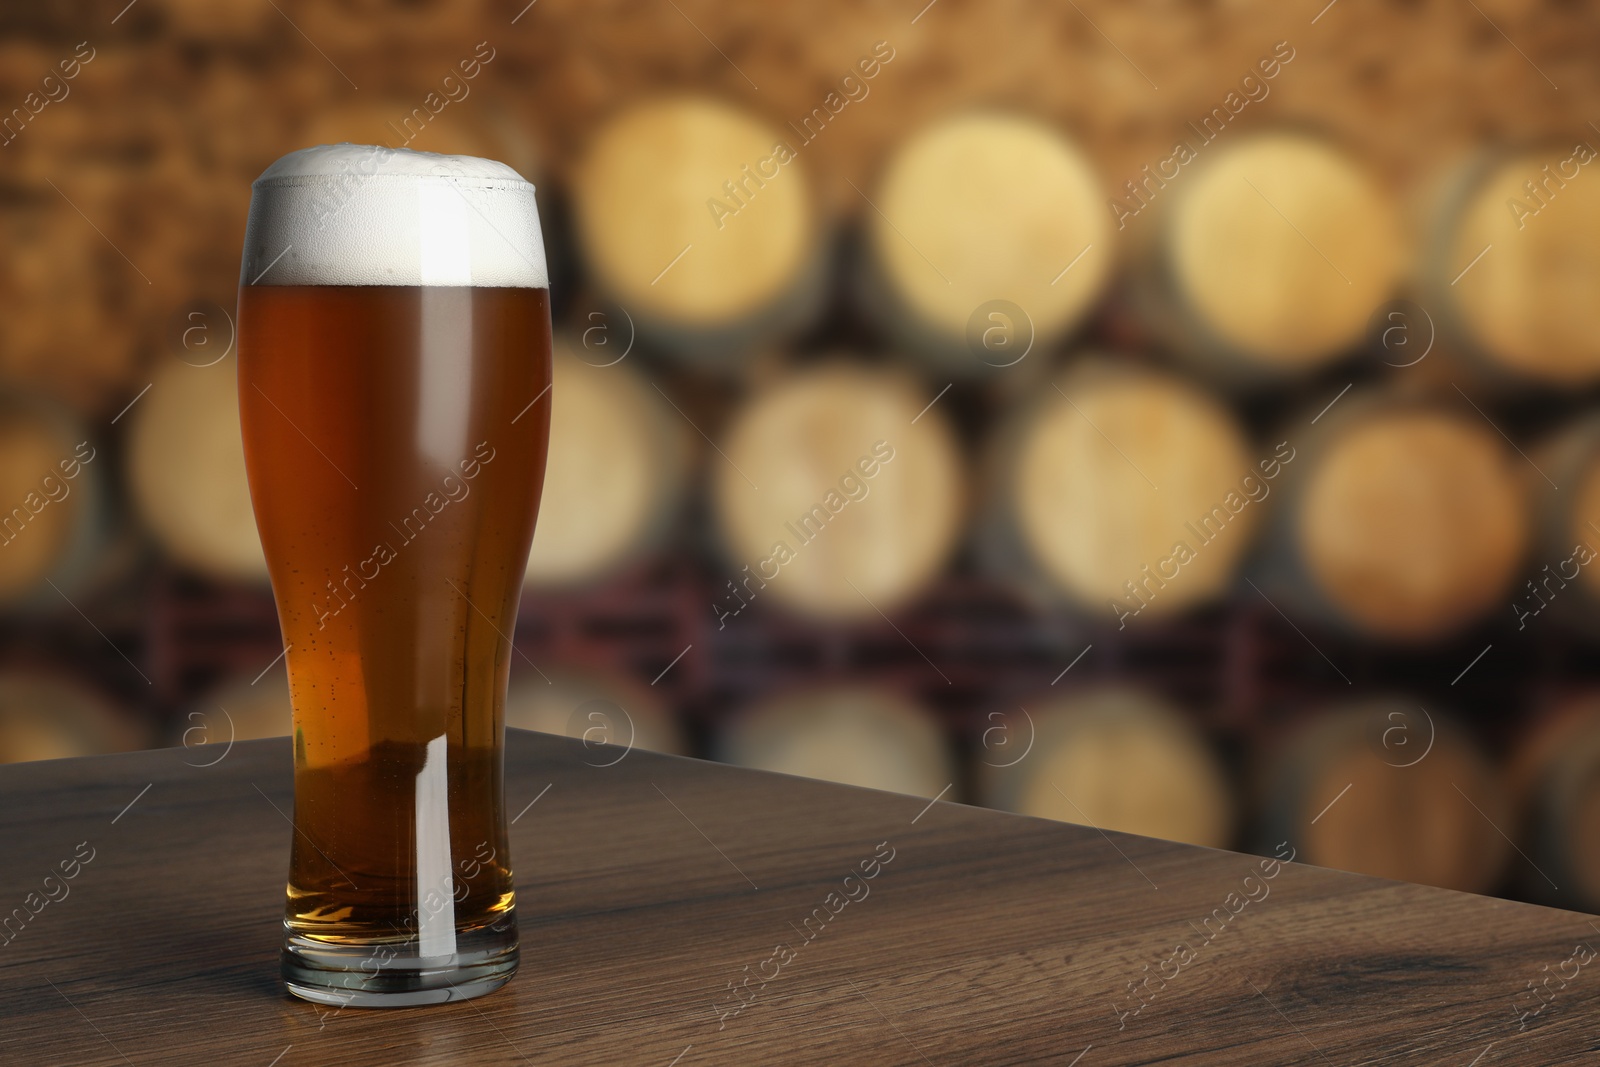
[351, 214]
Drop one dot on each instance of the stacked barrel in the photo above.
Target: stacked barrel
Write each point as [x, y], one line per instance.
[833, 447]
[1228, 410]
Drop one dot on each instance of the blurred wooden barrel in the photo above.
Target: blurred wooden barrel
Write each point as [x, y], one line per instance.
[54, 515]
[980, 211]
[243, 708]
[1271, 257]
[1402, 519]
[186, 470]
[1387, 788]
[849, 734]
[54, 716]
[839, 491]
[618, 462]
[1114, 758]
[1554, 783]
[698, 227]
[1514, 269]
[609, 714]
[1126, 490]
[1562, 578]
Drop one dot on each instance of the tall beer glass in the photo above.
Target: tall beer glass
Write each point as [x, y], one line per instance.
[394, 360]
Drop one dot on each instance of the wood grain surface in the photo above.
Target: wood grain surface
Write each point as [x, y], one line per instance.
[648, 886]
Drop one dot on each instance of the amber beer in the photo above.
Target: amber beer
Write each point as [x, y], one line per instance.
[394, 366]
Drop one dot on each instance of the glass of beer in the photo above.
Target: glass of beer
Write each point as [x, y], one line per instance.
[394, 361]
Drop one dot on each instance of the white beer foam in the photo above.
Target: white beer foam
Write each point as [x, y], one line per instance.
[350, 214]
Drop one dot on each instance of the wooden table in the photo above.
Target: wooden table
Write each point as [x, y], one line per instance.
[647, 890]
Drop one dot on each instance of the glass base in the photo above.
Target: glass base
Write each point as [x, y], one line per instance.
[389, 974]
